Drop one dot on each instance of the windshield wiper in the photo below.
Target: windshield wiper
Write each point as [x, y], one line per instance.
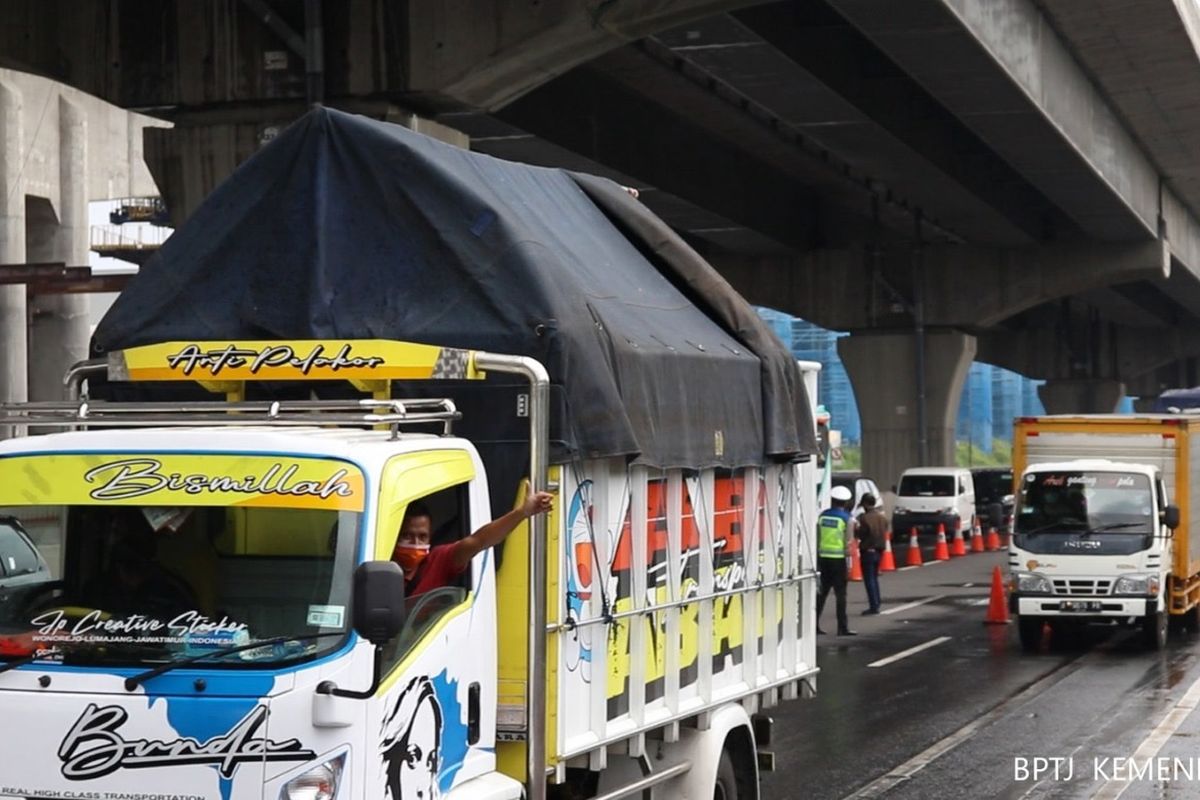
[1111, 527]
[1053, 525]
[135, 681]
[29, 659]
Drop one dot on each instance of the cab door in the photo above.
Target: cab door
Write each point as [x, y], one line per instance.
[431, 723]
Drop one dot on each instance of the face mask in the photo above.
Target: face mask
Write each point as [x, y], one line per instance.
[410, 556]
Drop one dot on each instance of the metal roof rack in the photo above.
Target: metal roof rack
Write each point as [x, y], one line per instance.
[347, 413]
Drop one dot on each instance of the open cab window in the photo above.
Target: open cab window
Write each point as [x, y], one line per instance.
[156, 558]
[146, 584]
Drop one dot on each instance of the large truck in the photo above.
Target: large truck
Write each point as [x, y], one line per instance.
[1102, 530]
[216, 509]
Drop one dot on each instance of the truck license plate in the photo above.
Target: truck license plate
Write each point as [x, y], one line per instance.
[1079, 605]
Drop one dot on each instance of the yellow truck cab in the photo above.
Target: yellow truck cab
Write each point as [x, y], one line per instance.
[221, 617]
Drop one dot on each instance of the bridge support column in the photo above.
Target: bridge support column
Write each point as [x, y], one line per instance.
[13, 372]
[59, 329]
[1081, 395]
[883, 369]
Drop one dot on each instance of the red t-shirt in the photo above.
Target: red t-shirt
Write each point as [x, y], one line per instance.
[436, 570]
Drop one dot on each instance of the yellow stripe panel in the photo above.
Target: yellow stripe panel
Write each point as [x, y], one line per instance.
[340, 359]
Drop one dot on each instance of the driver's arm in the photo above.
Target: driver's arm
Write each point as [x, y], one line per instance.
[495, 531]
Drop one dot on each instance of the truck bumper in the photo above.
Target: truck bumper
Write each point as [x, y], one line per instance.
[1083, 607]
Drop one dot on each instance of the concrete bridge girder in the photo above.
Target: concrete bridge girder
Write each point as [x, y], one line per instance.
[961, 286]
[1126, 353]
[487, 59]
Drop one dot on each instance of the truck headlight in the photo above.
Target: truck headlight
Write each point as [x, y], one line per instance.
[1031, 583]
[319, 783]
[1145, 584]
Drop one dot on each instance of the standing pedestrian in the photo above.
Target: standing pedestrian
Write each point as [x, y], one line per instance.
[833, 555]
[871, 530]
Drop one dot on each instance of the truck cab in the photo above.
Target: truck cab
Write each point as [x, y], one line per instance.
[1092, 543]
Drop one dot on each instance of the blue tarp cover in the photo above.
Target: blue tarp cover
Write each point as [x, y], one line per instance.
[346, 227]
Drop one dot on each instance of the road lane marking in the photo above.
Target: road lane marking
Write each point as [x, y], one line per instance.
[1150, 746]
[913, 604]
[983, 601]
[883, 662]
[926, 564]
[909, 769]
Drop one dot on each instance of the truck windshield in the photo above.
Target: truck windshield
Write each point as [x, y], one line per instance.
[1094, 502]
[142, 585]
[927, 486]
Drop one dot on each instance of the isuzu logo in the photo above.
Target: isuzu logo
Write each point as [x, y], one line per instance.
[1082, 544]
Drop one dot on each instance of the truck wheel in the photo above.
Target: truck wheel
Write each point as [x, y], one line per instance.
[726, 786]
[1154, 631]
[1029, 630]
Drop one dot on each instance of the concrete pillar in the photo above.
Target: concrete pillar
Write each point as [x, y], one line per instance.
[883, 369]
[1081, 395]
[59, 327]
[13, 375]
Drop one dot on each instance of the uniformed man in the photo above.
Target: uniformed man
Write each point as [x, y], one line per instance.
[833, 555]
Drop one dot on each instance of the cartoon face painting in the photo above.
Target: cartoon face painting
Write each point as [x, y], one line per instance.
[411, 743]
[580, 567]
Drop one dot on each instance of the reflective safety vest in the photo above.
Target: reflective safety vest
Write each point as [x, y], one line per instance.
[831, 536]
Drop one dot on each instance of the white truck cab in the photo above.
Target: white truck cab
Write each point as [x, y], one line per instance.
[1093, 543]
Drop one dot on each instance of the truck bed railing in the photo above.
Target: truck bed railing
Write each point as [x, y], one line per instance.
[343, 413]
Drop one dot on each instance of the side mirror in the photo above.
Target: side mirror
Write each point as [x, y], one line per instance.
[1170, 517]
[378, 601]
[894, 489]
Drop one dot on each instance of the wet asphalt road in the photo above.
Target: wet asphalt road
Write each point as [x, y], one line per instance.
[954, 720]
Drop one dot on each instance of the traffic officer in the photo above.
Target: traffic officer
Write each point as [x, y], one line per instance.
[833, 555]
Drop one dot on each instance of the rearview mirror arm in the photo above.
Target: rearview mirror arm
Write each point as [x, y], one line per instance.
[329, 687]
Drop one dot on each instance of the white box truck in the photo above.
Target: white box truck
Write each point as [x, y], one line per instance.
[1102, 529]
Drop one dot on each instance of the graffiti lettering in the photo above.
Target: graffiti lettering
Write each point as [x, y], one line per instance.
[94, 748]
[138, 477]
[191, 358]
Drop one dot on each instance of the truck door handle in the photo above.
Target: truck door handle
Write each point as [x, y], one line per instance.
[473, 713]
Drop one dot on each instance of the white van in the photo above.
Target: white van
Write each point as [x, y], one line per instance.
[928, 496]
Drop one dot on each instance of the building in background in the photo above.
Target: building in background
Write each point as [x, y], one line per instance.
[976, 409]
[810, 342]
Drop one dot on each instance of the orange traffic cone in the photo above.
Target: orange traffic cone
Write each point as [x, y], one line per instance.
[993, 540]
[976, 538]
[997, 613]
[940, 551]
[914, 551]
[958, 547]
[855, 562]
[887, 562]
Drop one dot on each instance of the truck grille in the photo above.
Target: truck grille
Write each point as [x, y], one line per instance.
[1082, 586]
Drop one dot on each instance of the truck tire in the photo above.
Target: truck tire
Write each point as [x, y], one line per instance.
[726, 787]
[1154, 631]
[1029, 630]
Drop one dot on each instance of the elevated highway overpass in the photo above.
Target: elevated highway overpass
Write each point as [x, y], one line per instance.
[1008, 180]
